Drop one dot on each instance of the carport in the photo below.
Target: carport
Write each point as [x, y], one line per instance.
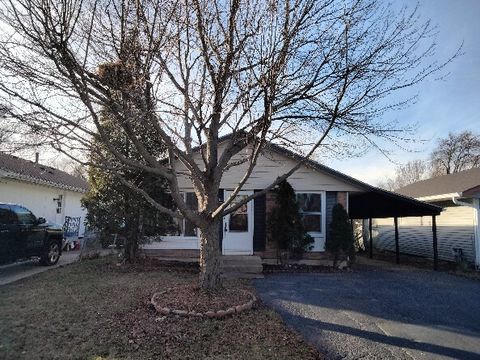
[378, 203]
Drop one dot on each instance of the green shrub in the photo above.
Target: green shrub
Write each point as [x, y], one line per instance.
[285, 224]
[340, 241]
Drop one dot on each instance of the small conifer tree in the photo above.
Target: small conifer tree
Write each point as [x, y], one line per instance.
[340, 241]
[285, 223]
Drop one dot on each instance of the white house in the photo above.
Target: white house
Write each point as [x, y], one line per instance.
[244, 232]
[47, 192]
[458, 224]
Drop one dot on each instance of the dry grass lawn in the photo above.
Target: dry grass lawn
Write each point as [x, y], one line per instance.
[96, 310]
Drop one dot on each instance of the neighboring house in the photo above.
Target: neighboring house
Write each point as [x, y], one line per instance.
[458, 224]
[47, 192]
[318, 189]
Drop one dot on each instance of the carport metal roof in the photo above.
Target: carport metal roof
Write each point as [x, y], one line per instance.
[378, 203]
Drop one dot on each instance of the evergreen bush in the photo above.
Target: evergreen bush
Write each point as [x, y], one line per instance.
[285, 224]
[340, 241]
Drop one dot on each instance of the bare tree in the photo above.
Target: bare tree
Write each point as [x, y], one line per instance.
[290, 71]
[406, 174]
[455, 153]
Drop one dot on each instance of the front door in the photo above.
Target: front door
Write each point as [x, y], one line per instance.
[238, 228]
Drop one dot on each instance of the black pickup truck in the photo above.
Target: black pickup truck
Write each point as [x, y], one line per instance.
[23, 235]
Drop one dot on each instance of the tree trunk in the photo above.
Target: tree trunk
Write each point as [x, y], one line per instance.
[210, 255]
[134, 231]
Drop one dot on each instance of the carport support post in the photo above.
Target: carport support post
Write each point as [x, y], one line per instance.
[435, 242]
[370, 238]
[397, 246]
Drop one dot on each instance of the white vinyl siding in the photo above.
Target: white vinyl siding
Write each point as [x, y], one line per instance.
[269, 166]
[455, 229]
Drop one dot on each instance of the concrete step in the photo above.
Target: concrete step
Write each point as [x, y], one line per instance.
[241, 266]
[178, 259]
[244, 268]
[239, 263]
[250, 260]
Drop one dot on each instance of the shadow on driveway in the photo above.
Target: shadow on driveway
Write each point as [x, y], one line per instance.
[378, 313]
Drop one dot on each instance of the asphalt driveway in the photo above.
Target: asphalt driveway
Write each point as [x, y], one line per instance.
[377, 313]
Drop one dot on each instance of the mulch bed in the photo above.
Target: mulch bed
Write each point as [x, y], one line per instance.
[191, 298]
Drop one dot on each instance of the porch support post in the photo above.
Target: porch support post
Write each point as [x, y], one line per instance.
[435, 242]
[397, 246]
[370, 250]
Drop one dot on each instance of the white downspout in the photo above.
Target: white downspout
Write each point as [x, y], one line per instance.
[476, 224]
[476, 213]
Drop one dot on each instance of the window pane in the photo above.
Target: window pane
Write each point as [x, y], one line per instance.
[5, 217]
[178, 227]
[24, 216]
[189, 229]
[191, 201]
[312, 223]
[239, 219]
[239, 222]
[309, 202]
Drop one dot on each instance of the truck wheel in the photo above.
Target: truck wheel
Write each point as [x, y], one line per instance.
[52, 254]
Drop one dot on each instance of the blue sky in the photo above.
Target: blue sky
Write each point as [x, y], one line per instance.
[451, 104]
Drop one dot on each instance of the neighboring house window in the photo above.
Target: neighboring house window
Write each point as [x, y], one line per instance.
[59, 201]
[185, 227]
[311, 209]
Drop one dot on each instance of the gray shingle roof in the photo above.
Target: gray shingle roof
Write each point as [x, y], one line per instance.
[21, 169]
[445, 184]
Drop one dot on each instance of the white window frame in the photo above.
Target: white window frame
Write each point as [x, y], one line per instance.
[183, 236]
[322, 213]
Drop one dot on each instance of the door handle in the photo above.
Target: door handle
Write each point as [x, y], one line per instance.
[225, 228]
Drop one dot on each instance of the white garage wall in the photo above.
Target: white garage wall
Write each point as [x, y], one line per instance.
[39, 199]
[73, 208]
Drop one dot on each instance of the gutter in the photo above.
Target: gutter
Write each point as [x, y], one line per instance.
[456, 201]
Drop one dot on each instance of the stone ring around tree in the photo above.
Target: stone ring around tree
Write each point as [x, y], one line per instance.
[164, 307]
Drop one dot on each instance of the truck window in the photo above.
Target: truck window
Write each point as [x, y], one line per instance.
[24, 216]
[5, 216]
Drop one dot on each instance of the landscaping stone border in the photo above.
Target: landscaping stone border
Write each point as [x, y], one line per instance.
[219, 314]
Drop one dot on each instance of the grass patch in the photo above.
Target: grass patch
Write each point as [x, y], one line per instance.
[95, 310]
